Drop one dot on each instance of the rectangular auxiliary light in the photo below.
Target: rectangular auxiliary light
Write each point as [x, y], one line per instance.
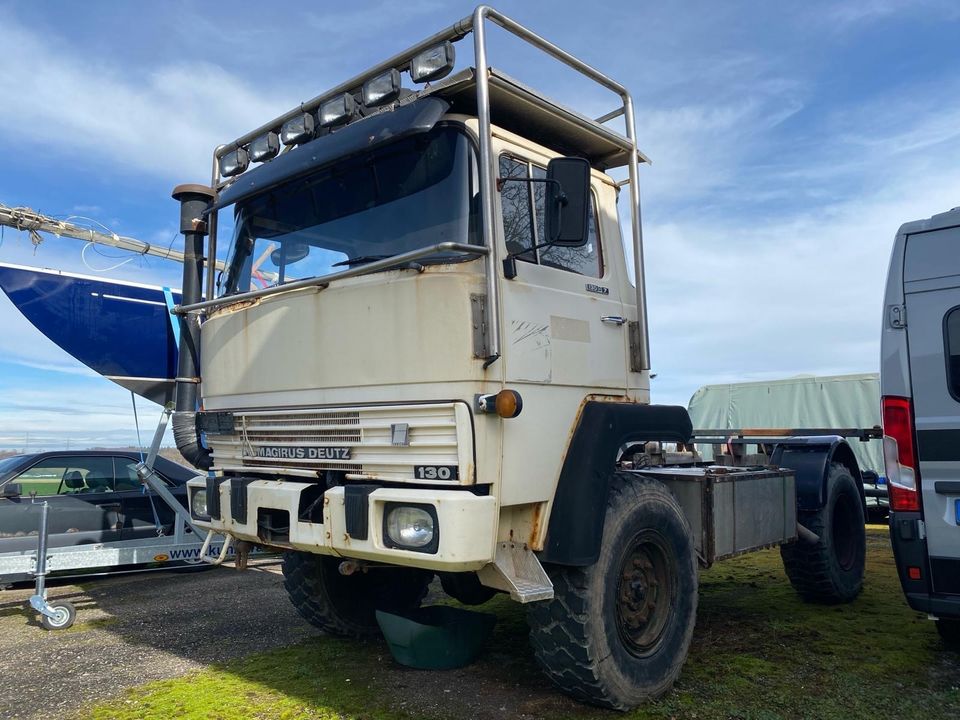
[337, 111]
[265, 147]
[297, 130]
[234, 163]
[382, 89]
[434, 63]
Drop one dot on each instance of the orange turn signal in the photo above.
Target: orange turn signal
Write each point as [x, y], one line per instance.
[506, 403]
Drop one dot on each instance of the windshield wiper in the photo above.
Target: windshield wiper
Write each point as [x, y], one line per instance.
[360, 259]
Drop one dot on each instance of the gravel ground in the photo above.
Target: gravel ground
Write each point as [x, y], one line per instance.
[132, 629]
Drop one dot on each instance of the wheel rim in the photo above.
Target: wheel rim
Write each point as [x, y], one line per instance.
[60, 617]
[645, 591]
[843, 528]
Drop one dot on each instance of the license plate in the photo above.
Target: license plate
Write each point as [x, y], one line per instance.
[957, 501]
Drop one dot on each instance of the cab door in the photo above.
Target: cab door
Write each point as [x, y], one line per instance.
[563, 318]
[563, 332]
[932, 293]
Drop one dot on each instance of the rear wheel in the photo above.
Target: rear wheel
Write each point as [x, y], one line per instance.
[346, 604]
[617, 632]
[949, 629]
[830, 570]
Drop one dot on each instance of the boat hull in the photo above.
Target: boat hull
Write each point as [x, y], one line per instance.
[119, 329]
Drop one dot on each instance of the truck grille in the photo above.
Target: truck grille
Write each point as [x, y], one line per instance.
[302, 442]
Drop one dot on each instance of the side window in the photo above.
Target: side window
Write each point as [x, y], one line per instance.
[126, 474]
[951, 342]
[523, 207]
[76, 475]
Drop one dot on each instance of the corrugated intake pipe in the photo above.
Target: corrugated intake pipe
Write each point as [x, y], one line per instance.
[194, 200]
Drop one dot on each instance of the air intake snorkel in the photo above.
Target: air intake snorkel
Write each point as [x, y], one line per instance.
[194, 200]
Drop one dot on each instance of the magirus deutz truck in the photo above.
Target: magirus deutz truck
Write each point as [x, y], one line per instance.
[427, 358]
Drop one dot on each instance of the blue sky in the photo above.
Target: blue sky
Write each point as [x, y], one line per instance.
[789, 141]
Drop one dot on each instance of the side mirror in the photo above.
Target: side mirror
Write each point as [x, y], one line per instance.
[11, 490]
[568, 201]
[295, 252]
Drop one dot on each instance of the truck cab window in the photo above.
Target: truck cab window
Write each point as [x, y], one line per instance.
[522, 207]
[951, 343]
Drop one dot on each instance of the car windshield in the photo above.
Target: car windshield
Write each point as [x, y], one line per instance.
[409, 194]
[11, 463]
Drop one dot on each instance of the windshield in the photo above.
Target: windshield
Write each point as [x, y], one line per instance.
[412, 193]
[10, 463]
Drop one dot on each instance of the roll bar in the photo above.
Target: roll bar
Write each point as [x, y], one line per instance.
[475, 23]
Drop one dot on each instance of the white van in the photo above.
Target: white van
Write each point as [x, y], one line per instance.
[920, 387]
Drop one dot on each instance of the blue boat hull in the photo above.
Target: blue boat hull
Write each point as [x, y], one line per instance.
[118, 329]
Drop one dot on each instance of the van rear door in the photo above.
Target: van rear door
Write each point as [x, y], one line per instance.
[932, 293]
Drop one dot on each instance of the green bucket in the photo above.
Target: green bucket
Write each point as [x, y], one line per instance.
[437, 637]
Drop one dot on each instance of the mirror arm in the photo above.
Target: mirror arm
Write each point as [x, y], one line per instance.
[502, 181]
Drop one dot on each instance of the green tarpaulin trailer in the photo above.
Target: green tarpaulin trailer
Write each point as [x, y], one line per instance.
[830, 401]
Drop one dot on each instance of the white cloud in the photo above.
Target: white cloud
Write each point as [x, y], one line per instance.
[165, 121]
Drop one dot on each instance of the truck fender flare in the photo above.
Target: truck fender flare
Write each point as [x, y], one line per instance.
[579, 506]
[810, 459]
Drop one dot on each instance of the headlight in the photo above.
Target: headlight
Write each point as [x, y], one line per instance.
[234, 163]
[381, 89]
[433, 64]
[411, 527]
[265, 147]
[337, 111]
[297, 130]
[198, 503]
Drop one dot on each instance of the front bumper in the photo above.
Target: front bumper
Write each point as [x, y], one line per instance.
[259, 511]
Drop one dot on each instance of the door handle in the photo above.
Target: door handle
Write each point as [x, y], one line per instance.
[613, 319]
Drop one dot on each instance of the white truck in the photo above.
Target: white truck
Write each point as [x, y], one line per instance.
[920, 384]
[427, 357]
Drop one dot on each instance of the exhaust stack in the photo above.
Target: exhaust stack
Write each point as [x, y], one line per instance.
[194, 200]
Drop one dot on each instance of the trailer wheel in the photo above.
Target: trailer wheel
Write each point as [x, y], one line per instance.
[831, 570]
[64, 613]
[617, 632]
[949, 629]
[346, 604]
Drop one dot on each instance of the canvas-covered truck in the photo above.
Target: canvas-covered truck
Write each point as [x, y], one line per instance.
[427, 357]
[920, 385]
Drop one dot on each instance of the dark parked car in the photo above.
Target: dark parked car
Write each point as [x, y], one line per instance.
[95, 496]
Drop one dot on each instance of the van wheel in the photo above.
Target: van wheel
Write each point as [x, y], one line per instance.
[831, 570]
[949, 630]
[617, 632]
[346, 605]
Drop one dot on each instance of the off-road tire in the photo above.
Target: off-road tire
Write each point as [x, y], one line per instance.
[346, 604]
[831, 570]
[949, 629]
[591, 640]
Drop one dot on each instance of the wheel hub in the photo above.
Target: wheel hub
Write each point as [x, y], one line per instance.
[644, 595]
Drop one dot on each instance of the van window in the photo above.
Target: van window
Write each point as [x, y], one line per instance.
[951, 341]
[522, 205]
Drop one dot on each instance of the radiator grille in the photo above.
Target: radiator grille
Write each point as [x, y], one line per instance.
[303, 442]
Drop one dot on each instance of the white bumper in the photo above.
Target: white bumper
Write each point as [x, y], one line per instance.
[466, 523]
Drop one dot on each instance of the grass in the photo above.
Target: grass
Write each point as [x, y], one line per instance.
[758, 653]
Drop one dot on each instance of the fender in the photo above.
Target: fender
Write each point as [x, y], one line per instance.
[810, 458]
[580, 501]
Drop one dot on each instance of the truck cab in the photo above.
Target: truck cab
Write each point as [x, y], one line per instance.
[920, 385]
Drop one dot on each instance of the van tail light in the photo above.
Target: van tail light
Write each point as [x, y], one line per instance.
[899, 454]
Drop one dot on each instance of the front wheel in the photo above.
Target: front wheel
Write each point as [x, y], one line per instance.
[617, 632]
[346, 605]
[830, 570]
